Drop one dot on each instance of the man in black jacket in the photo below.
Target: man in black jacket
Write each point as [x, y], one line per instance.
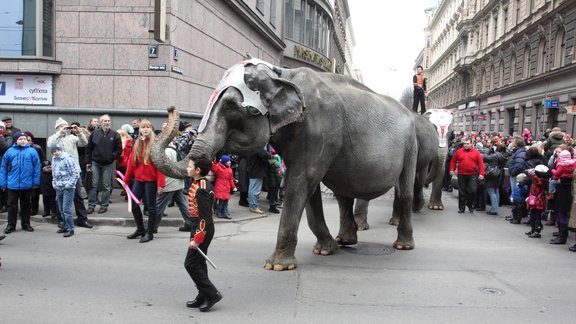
[257, 169]
[103, 149]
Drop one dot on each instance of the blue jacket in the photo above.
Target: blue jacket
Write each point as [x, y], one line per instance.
[516, 162]
[520, 193]
[64, 172]
[24, 167]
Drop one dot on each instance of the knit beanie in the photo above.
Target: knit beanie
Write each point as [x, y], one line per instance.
[54, 147]
[17, 135]
[224, 159]
[60, 122]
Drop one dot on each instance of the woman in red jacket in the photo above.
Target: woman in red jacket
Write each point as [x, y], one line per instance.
[148, 181]
[223, 184]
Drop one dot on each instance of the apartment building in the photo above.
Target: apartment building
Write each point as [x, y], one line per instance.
[503, 65]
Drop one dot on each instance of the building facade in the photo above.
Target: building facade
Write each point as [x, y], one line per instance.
[78, 59]
[504, 65]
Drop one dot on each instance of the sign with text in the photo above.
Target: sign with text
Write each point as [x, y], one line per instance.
[26, 89]
[551, 103]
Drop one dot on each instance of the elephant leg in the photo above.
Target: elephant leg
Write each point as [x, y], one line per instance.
[361, 214]
[419, 202]
[395, 209]
[325, 244]
[296, 198]
[348, 228]
[405, 240]
[437, 170]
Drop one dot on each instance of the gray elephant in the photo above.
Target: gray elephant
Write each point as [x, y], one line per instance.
[432, 130]
[328, 128]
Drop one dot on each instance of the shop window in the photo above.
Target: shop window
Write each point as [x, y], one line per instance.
[27, 28]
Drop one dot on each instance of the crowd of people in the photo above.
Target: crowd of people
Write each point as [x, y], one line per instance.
[92, 157]
[540, 173]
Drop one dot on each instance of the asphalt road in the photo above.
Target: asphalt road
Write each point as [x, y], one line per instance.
[466, 268]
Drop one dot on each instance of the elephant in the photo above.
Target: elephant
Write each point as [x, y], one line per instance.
[432, 130]
[328, 128]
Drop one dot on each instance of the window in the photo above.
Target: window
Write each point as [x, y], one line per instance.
[513, 68]
[505, 14]
[307, 24]
[495, 27]
[273, 12]
[517, 17]
[526, 67]
[559, 48]
[501, 74]
[289, 19]
[542, 56]
[299, 7]
[27, 28]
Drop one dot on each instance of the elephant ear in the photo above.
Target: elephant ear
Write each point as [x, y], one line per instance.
[284, 100]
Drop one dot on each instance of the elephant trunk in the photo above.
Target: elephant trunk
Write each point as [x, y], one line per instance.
[171, 169]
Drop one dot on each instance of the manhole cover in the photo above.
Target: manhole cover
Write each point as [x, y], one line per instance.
[369, 249]
[491, 291]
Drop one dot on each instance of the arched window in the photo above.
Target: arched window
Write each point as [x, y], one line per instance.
[541, 56]
[559, 47]
[492, 76]
[501, 74]
[526, 67]
[482, 80]
[512, 69]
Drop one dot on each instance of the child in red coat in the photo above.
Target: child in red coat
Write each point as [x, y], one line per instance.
[537, 204]
[223, 184]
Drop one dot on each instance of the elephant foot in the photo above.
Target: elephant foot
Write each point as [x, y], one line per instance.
[347, 239]
[278, 263]
[394, 221]
[436, 206]
[327, 247]
[417, 205]
[363, 226]
[404, 245]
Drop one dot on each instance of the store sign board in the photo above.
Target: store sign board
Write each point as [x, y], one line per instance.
[26, 89]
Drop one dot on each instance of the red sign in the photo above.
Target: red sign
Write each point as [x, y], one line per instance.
[480, 117]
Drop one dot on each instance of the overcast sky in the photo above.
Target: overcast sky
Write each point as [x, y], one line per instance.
[389, 37]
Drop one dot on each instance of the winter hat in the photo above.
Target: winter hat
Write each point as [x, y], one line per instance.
[479, 146]
[541, 171]
[224, 159]
[127, 128]
[564, 155]
[17, 135]
[60, 122]
[55, 147]
[521, 178]
[183, 125]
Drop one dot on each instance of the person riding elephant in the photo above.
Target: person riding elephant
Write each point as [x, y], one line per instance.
[321, 124]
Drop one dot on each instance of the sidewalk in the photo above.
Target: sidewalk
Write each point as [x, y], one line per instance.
[118, 214]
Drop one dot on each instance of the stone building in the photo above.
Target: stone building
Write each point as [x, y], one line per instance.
[78, 59]
[503, 65]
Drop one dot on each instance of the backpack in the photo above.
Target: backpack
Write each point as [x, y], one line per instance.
[179, 155]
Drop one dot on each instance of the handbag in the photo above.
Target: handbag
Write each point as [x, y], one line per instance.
[531, 200]
[492, 171]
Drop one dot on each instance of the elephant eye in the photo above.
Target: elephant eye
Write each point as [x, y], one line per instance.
[253, 111]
